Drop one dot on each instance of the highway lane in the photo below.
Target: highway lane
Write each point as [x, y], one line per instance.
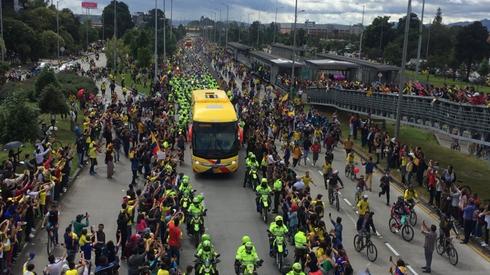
[388, 244]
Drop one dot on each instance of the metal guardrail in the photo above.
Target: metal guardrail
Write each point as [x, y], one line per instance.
[457, 120]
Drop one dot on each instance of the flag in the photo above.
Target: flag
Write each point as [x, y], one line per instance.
[155, 147]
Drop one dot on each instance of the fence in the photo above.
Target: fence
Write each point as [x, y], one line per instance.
[461, 121]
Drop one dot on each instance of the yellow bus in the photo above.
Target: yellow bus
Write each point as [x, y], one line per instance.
[214, 132]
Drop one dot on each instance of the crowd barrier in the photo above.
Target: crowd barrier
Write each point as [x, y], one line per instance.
[458, 120]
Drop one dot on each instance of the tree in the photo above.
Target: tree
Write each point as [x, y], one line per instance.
[124, 20]
[438, 18]
[440, 46]
[20, 39]
[122, 52]
[4, 67]
[46, 77]
[377, 36]
[40, 19]
[70, 23]
[18, 120]
[471, 45]
[301, 37]
[93, 34]
[484, 68]
[144, 57]
[49, 40]
[53, 101]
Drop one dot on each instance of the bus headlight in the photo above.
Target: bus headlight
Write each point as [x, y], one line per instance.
[196, 162]
[233, 162]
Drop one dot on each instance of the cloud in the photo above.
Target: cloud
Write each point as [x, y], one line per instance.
[320, 11]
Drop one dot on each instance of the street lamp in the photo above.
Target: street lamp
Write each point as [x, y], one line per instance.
[227, 22]
[1, 28]
[156, 40]
[164, 33]
[115, 35]
[294, 44]
[58, 29]
[421, 27]
[402, 71]
[362, 31]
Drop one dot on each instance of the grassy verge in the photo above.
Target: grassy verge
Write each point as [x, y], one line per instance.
[128, 82]
[440, 81]
[470, 171]
[64, 135]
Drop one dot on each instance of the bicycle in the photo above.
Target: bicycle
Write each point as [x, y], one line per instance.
[333, 197]
[397, 223]
[445, 246]
[51, 241]
[349, 171]
[363, 240]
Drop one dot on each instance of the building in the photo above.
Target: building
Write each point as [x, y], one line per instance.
[139, 18]
[369, 71]
[287, 51]
[336, 31]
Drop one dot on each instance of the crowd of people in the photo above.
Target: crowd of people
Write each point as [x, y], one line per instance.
[461, 94]
[279, 134]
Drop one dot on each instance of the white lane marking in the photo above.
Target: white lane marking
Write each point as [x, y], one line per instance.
[412, 270]
[377, 234]
[347, 201]
[321, 173]
[351, 218]
[392, 249]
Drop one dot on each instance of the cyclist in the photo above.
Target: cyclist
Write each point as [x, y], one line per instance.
[262, 190]
[276, 229]
[410, 195]
[327, 171]
[445, 226]
[362, 209]
[333, 183]
[350, 161]
[360, 187]
[296, 270]
[52, 218]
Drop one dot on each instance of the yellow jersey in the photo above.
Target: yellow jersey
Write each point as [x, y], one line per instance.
[362, 207]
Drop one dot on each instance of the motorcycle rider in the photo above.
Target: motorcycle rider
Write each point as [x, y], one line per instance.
[206, 252]
[262, 190]
[196, 209]
[184, 185]
[252, 165]
[277, 186]
[296, 270]
[277, 228]
[300, 247]
[246, 254]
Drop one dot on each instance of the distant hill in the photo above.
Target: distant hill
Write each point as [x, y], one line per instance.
[485, 22]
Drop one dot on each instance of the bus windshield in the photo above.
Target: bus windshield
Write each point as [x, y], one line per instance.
[214, 140]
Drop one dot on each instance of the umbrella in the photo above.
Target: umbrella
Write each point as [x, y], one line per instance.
[12, 145]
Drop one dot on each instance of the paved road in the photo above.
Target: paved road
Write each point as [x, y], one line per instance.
[231, 214]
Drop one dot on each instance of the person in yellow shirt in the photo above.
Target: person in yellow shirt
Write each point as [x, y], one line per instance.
[296, 154]
[410, 195]
[362, 209]
[307, 179]
[92, 154]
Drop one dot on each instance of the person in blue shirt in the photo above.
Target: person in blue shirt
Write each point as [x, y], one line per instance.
[338, 230]
[369, 166]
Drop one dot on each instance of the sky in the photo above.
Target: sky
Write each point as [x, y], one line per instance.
[321, 11]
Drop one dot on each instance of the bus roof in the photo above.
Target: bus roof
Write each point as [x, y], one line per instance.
[212, 106]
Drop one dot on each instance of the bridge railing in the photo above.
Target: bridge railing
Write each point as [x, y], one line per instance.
[459, 120]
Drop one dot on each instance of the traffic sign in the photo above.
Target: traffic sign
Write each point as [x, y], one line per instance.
[89, 5]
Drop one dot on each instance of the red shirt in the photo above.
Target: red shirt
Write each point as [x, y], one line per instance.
[174, 235]
[315, 148]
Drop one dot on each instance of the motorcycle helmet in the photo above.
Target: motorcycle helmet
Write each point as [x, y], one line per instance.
[206, 237]
[245, 239]
[195, 200]
[206, 246]
[264, 180]
[278, 218]
[248, 247]
[297, 267]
